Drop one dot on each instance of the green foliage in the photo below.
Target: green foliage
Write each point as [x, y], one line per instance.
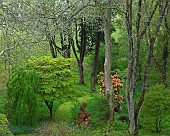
[4, 131]
[155, 112]
[65, 111]
[119, 58]
[63, 129]
[56, 77]
[102, 108]
[22, 97]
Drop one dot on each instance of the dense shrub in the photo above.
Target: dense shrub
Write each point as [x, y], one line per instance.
[4, 131]
[83, 115]
[156, 109]
[116, 83]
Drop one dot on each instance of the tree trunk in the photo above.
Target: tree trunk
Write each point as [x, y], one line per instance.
[50, 107]
[130, 72]
[81, 47]
[95, 61]
[51, 41]
[165, 52]
[81, 75]
[65, 45]
[52, 49]
[80, 64]
[148, 63]
[108, 57]
[69, 47]
[141, 99]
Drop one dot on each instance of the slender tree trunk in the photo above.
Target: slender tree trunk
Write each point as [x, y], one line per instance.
[81, 75]
[130, 72]
[106, 18]
[30, 112]
[50, 107]
[107, 65]
[150, 54]
[52, 49]
[133, 57]
[82, 50]
[165, 51]
[51, 41]
[65, 45]
[95, 61]
[69, 47]
[148, 63]
[81, 47]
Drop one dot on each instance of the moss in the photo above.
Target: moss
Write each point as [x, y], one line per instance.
[4, 131]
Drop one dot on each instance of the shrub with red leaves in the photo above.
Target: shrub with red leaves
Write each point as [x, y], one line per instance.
[83, 115]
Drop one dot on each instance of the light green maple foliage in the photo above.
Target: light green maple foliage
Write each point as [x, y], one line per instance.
[56, 79]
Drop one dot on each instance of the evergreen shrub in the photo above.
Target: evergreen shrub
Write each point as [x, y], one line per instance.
[155, 112]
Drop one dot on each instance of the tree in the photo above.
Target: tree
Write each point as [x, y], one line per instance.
[81, 48]
[47, 22]
[95, 61]
[56, 79]
[134, 43]
[22, 98]
[106, 19]
[163, 40]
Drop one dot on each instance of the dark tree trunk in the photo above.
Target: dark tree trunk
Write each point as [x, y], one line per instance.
[95, 61]
[81, 75]
[150, 54]
[81, 47]
[163, 67]
[51, 40]
[164, 70]
[52, 49]
[165, 52]
[82, 50]
[30, 112]
[68, 48]
[50, 107]
[65, 45]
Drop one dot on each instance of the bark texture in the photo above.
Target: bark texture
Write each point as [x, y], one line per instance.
[134, 52]
[81, 48]
[108, 57]
[95, 61]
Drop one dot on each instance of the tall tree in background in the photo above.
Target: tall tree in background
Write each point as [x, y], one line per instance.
[106, 18]
[95, 61]
[45, 23]
[163, 40]
[81, 48]
[134, 41]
